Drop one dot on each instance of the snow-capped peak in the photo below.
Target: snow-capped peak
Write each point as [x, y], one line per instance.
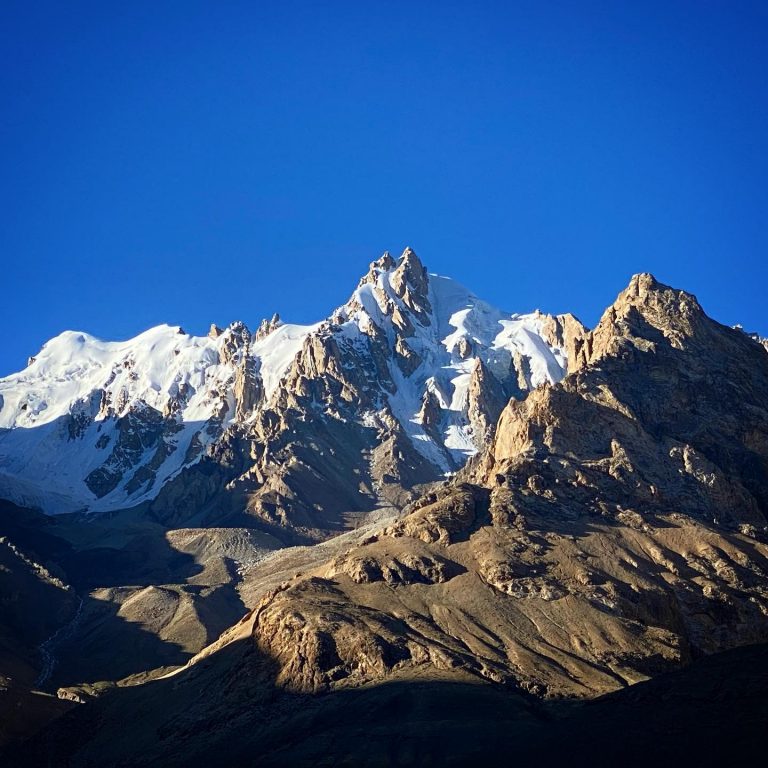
[108, 423]
[437, 330]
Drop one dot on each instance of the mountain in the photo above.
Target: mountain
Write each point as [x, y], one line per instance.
[613, 528]
[110, 422]
[300, 427]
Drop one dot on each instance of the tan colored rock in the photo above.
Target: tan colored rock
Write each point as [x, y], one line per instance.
[606, 539]
[407, 360]
[248, 389]
[267, 326]
[430, 412]
[464, 348]
[567, 332]
[237, 337]
[485, 402]
[411, 284]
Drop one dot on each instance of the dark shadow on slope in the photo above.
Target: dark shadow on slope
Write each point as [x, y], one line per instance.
[227, 711]
[34, 603]
[145, 560]
[104, 646]
[64, 543]
[24, 712]
[96, 643]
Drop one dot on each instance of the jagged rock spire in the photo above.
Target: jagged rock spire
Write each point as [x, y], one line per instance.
[411, 283]
[237, 337]
[384, 263]
[485, 402]
[267, 326]
[410, 272]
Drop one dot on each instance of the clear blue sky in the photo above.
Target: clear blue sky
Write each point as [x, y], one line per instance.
[196, 162]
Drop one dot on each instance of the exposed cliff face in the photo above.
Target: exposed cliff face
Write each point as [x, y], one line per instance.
[667, 400]
[486, 399]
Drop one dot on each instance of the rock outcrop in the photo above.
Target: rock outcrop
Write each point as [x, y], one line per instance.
[267, 326]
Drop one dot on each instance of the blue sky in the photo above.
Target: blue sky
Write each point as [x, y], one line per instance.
[197, 162]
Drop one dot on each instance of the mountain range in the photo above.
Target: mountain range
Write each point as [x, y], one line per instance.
[301, 425]
[422, 516]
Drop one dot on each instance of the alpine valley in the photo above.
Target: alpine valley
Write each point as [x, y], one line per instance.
[423, 531]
